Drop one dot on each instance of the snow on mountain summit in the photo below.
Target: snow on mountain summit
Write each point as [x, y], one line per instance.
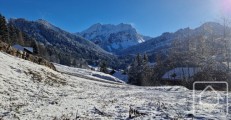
[106, 29]
[47, 24]
[113, 37]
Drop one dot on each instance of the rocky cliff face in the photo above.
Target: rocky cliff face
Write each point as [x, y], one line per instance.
[113, 38]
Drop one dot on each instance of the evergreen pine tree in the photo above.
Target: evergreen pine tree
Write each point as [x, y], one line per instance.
[34, 45]
[132, 73]
[20, 38]
[74, 63]
[145, 58]
[4, 34]
[13, 37]
[139, 70]
[103, 67]
[146, 73]
[138, 59]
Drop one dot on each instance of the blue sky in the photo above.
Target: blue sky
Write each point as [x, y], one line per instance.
[149, 17]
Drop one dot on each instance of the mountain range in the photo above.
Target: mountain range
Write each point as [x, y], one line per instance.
[164, 41]
[113, 38]
[107, 42]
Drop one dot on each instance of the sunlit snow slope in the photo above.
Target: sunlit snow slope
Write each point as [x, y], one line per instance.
[30, 91]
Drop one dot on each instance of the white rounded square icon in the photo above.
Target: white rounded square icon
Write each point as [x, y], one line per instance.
[210, 97]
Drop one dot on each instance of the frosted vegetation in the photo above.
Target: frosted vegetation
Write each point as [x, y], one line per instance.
[32, 91]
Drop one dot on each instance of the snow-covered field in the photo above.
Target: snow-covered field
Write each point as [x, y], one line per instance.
[29, 91]
[85, 73]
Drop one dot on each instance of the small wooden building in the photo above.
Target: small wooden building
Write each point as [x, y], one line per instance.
[29, 50]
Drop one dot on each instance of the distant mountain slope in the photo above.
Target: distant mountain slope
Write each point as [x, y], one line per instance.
[62, 43]
[113, 37]
[163, 42]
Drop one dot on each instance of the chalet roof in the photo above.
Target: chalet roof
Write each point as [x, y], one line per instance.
[21, 48]
[18, 47]
[29, 49]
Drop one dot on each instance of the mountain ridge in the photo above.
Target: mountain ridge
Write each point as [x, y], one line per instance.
[62, 42]
[113, 37]
[163, 41]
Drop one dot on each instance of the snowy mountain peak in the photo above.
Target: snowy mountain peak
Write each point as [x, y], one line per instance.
[42, 21]
[109, 28]
[60, 40]
[94, 27]
[113, 37]
[47, 24]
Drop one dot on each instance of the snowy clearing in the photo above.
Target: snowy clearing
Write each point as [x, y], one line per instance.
[88, 74]
[31, 91]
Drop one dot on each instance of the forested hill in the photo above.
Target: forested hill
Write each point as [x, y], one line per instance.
[53, 43]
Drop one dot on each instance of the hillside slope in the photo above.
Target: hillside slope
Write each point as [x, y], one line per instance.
[32, 91]
[164, 41]
[64, 47]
